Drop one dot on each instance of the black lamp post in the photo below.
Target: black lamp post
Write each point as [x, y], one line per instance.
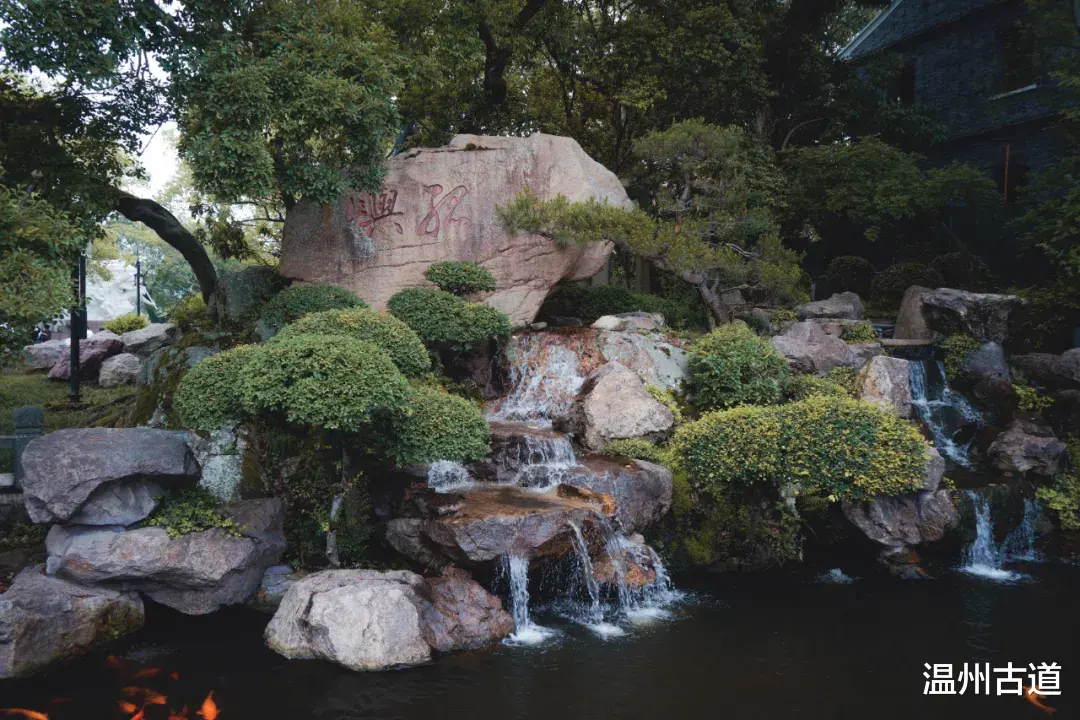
[138, 286]
[78, 326]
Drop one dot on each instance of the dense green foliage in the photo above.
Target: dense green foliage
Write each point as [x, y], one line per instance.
[393, 336]
[957, 347]
[435, 425]
[1062, 497]
[23, 535]
[190, 511]
[332, 382]
[295, 301]
[850, 273]
[638, 449]
[800, 387]
[963, 270]
[732, 366]
[888, 287]
[126, 323]
[1029, 399]
[666, 398]
[191, 314]
[861, 332]
[445, 321]
[209, 395]
[590, 302]
[830, 445]
[460, 278]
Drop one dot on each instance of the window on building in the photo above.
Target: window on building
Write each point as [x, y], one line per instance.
[902, 86]
[1017, 60]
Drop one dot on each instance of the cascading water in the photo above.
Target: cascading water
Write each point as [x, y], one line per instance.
[941, 409]
[984, 558]
[526, 632]
[448, 476]
[1019, 545]
[542, 461]
[544, 378]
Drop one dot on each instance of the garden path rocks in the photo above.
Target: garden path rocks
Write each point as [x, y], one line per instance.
[150, 338]
[194, 573]
[122, 369]
[92, 353]
[845, 305]
[613, 404]
[103, 476]
[1028, 446]
[44, 620]
[440, 204]
[884, 381]
[372, 620]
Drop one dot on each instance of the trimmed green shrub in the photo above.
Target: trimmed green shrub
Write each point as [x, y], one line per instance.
[443, 320]
[844, 377]
[208, 395]
[780, 315]
[460, 278]
[862, 332]
[638, 449]
[435, 425]
[328, 381]
[191, 314]
[732, 366]
[956, 348]
[295, 301]
[1030, 400]
[842, 448]
[190, 511]
[800, 387]
[392, 335]
[126, 323]
[887, 289]
[850, 273]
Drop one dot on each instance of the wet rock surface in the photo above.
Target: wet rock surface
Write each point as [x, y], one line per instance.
[902, 521]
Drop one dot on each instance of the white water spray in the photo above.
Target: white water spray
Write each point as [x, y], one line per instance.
[544, 380]
[448, 476]
[941, 409]
[526, 632]
[983, 557]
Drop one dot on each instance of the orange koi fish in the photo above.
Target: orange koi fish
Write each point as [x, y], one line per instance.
[209, 709]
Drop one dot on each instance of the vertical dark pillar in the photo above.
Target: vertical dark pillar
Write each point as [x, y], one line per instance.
[78, 327]
[138, 286]
[29, 423]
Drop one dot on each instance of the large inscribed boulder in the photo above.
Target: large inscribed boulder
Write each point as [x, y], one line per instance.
[440, 204]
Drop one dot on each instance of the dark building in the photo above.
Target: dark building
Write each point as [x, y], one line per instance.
[968, 61]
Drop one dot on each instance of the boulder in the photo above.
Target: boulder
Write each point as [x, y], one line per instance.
[105, 335]
[195, 573]
[152, 337]
[85, 474]
[809, 349]
[276, 581]
[220, 454]
[934, 470]
[1028, 446]
[898, 522]
[841, 305]
[865, 352]
[910, 321]
[92, 353]
[372, 620]
[1064, 414]
[167, 361]
[655, 359]
[441, 204]
[983, 315]
[122, 369]
[614, 404]
[630, 321]
[884, 381]
[987, 362]
[241, 293]
[642, 490]
[41, 357]
[1053, 372]
[45, 620]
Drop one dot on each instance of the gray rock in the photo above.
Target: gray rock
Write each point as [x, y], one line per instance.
[884, 382]
[1028, 446]
[276, 581]
[987, 362]
[41, 357]
[45, 620]
[898, 522]
[371, 620]
[65, 469]
[630, 322]
[610, 322]
[984, 315]
[119, 503]
[92, 353]
[195, 573]
[106, 335]
[934, 471]
[841, 305]
[154, 336]
[614, 404]
[167, 361]
[1053, 372]
[655, 360]
[642, 490]
[910, 321]
[122, 369]
[221, 456]
[809, 349]
[865, 352]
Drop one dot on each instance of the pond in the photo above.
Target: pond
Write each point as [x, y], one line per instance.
[784, 644]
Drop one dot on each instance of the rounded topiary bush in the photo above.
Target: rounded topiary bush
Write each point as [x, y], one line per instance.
[329, 381]
[732, 366]
[208, 395]
[889, 285]
[435, 425]
[741, 445]
[392, 335]
[126, 323]
[800, 387]
[460, 278]
[444, 320]
[850, 273]
[295, 301]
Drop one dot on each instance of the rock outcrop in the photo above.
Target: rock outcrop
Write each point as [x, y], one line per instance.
[103, 476]
[1053, 372]
[884, 381]
[440, 204]
[987, 362]
[152, 337]
[221, 456]
[614, 404]
[809, 349]
[983, 315]
[642, 490]
[92, 353]
[910, 321]
[845, 305]
[371, 620]
[44, 620]
[43, 356]
[902, 521]
[1028, 447]
[122, 369]
[629, 321]
[655, 359]
[195, 573]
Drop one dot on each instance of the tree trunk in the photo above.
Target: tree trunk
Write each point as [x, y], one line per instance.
[169, 229]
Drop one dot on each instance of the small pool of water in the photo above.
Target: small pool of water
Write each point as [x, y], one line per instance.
[788, 644]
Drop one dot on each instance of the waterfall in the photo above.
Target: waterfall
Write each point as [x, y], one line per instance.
[542, 460]
[1019, 545]
[941, 409]
[983, 557]
[595, 613]
[544, 379]
[448, 476]
[526, 632]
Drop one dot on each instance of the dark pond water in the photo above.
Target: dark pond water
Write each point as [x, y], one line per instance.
[771, 646]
